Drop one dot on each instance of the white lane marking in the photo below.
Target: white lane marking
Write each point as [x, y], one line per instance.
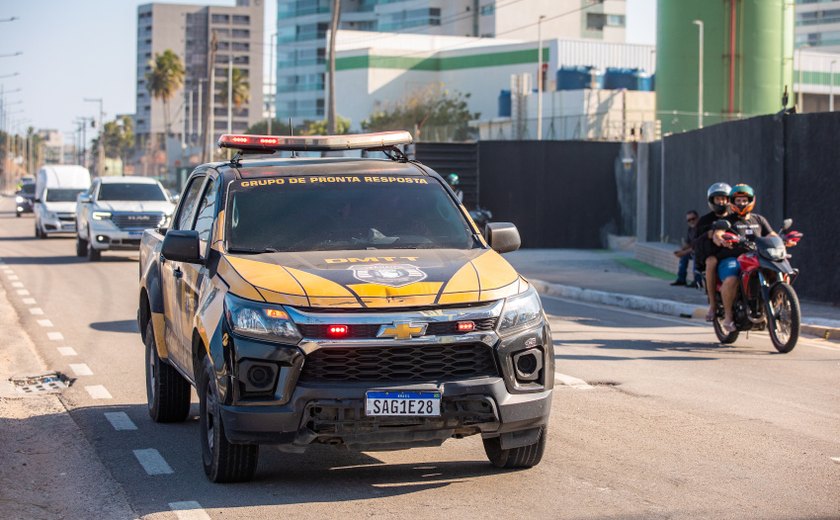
[574, 382]
[28, 301]
[17, 284]
[55, 336]
[836, 459]
[680, 321]
[153, 462]
[45, 323]
[120, 421]
[98, 392]
[67, 351]
[36, 311]
[13, 277]
[22, 292]
[188, 510]
[81, 369]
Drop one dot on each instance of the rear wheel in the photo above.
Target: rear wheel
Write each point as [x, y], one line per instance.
[167, 392]
[526, 456]
[223, 460]
[726, 338]
[783, 315]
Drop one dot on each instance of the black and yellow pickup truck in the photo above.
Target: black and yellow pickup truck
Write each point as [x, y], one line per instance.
[348, 301]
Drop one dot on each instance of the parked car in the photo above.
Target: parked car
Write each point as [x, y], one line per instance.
[24, 198]
[113, 213]
[56, 189]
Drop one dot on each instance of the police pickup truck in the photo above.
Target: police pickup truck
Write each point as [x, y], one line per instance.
[348, 301]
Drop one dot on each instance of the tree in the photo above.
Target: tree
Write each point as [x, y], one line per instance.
[261, 128]
[429, 107]
[165, 78]
[342, 126]
[241, 89]
[117, 138]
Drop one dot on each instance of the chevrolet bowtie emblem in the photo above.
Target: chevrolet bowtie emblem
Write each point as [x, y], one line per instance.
[402, 330]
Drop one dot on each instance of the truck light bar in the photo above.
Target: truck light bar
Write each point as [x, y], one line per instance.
[314, 143]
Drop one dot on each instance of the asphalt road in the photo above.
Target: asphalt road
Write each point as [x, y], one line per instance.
[652, 419]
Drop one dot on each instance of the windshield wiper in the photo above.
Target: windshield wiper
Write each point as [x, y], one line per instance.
[252, 250]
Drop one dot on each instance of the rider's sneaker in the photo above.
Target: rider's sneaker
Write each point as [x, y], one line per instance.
[728, 326]
[678, 282]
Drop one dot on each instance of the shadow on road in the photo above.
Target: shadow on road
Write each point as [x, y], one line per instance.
[62, 260]
[653, 345]
[116, 326]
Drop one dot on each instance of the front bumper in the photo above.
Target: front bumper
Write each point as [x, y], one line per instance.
[115, 240]
[64, 224]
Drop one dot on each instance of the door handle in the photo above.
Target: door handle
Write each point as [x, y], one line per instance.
[177, 273]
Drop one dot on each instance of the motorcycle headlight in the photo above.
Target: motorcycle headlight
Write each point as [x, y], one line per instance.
[520, 312]
[19, 199]
[101, 215]
[260, 321]
[776, 253]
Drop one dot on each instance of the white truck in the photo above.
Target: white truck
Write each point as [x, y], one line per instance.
[56, 188]
[113, 213]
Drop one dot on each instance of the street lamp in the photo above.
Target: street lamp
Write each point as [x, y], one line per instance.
[831, 87]
[539, 77]
[100, 148]
[800, 103]
[18, 53]
[272, 95]
[10, 75]
[699, 24]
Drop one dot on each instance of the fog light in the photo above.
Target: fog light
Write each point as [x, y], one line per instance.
[101, 238]
[257, 377]
[528, 364]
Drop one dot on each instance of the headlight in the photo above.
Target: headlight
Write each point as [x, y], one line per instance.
[776, 253]
[101, 215]
[520, 311]
[19, 199]
[259, 320]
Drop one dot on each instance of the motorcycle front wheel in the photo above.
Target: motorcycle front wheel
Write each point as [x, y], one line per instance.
[783, 316]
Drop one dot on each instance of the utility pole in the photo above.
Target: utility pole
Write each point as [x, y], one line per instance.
[210, 128]
[336, 11]
[539, 77]
[100, 148]
[271, 93]
[699, 24]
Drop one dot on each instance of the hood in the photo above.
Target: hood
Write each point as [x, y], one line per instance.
[372, 279]
[60, 207]
[136, 205]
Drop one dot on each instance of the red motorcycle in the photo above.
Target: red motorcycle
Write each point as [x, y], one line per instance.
[765, 298]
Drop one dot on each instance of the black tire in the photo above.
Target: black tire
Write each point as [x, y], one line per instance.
[93, 255]
[783, 317]
[522, 457]
[725, 338]
[167, 392]
[17, 214]
[38, 232]
[81, 247]
[223, 460]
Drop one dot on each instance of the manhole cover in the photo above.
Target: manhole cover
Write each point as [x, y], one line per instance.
[47, 383]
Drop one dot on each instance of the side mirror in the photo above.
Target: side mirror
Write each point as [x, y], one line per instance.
[181, 246]
[786, 224]
[84, 198]
[721, 225]
[503, 237]
[36, 200]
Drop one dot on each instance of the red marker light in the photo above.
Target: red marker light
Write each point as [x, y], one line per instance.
[268, 140]
[239, 139]
[337, 331]
[466, 326]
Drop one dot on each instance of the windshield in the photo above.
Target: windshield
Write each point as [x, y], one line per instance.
[28, 189]
[63, 195]
[344, 212]
[131, 191]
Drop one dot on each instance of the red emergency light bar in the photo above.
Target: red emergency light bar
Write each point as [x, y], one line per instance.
[337, 331]
[314, 143]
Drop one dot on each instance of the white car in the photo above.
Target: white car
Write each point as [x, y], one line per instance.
[113, 213]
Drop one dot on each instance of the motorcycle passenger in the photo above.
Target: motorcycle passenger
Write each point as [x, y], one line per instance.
[746, 224]
[704, 249]
[453, 180]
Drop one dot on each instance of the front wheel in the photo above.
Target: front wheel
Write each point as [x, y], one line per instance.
[223, 460]
[784, 317]
[93, 254]
[81, 246]
[526, 456]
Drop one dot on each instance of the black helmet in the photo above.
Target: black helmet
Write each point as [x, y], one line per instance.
[715, 190]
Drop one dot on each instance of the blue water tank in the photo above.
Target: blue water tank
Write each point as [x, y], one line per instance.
[620, 78]
[644, 81]
[504, 103]
[579, 77]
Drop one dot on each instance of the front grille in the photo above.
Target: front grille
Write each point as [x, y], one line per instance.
[67, 217]
[432, 363]
[369, 331]
[136, 220]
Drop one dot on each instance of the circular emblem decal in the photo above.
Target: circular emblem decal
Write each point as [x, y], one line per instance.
[391, 275]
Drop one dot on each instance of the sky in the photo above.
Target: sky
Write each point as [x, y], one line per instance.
[76, 49]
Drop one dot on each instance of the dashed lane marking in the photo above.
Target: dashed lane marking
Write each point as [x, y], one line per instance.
[17, 285]
[28, 301]
[81, 369]
[120, 421]
[22, 292]
[67, 351]
[55, 336]
[13, 277]
[189, 510]
[45, 323]
[573, 382]
[98, 392]
[36, 311]
[836, 459]
[153, 462]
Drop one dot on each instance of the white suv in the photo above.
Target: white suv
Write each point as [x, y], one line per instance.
[113, 213]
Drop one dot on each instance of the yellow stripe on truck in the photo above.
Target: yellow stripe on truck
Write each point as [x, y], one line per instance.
[383, 291]
[267, 276]
[158, 325]
[238, 285]
[493, 271]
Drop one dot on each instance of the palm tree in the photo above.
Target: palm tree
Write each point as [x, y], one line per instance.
[165, 78]
[241, 89]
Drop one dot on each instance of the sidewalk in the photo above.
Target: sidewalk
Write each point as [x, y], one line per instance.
[616, 278]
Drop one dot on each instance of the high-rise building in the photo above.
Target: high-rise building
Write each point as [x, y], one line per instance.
[302, 26]
[206, 38]
[818, 24]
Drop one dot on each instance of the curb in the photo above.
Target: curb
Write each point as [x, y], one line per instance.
[825, 329]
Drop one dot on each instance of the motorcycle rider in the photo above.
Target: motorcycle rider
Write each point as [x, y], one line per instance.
[748, 225]
[704, 249]
[453, 180]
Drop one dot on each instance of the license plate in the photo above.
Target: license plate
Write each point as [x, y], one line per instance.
[396, 402]
[135, 233]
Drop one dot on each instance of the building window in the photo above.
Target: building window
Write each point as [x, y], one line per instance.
[241, 19]
[241, 33]
[220, 18]
[596, 21]
[487, 9]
